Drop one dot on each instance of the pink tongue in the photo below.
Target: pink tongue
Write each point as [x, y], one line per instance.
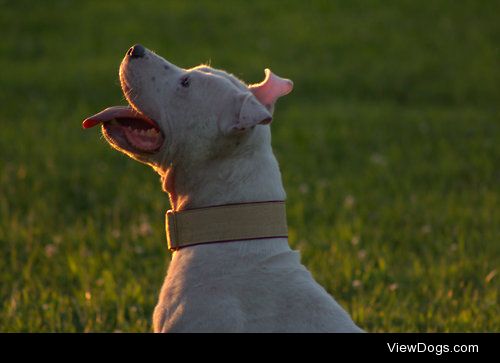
[111, 113]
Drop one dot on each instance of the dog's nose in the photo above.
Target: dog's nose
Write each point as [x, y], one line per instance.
[136, 51]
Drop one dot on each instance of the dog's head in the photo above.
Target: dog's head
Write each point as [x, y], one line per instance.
[176, 114]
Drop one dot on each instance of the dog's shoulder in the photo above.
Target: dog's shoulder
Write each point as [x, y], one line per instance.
[199, 314]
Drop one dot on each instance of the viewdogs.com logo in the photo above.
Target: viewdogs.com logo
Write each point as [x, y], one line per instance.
[437, 349]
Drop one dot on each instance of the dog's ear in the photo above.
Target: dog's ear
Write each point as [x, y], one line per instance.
[246, 113]
[270, 89]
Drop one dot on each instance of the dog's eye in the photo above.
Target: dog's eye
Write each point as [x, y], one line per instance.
[185, 81]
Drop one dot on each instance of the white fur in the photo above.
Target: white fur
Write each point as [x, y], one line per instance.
[210, 158]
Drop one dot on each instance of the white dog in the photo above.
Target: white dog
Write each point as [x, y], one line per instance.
[207, 134]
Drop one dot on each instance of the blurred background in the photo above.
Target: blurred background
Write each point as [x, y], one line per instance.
[389, 147]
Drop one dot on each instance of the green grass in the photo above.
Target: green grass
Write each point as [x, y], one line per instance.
[389, 147]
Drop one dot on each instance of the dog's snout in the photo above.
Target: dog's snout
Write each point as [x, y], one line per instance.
[136, 51]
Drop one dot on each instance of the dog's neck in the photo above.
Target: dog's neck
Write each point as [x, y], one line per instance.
[250, 173]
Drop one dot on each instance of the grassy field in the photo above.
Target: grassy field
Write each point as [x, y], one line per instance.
[389, 147]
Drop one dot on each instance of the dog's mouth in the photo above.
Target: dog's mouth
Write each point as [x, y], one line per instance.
[127, 129]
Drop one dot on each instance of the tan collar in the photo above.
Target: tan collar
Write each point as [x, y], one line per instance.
[226, 223]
